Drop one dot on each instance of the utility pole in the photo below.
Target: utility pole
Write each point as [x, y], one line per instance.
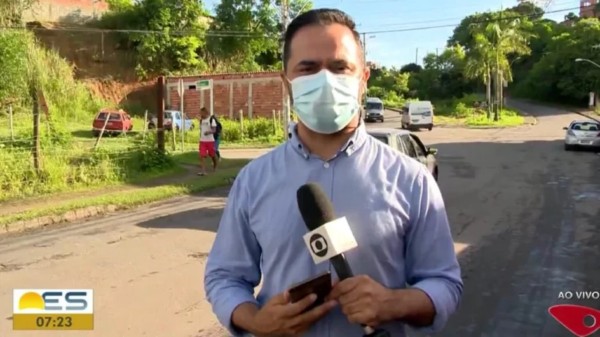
[364, 43]
[417, 56]
[498, 84]
[285, 11]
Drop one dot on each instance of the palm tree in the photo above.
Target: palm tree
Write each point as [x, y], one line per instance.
[479, 65]
[494, 42]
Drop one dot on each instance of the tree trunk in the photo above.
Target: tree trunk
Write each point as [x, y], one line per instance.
[501, 90]
[488, 93]
[496, 91]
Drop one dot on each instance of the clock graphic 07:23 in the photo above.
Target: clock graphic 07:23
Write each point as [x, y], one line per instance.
[53, 309]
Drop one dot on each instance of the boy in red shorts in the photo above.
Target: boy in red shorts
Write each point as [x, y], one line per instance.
[208, 127]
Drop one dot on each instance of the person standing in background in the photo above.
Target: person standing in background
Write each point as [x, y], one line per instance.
[217, 135]
[208, 127]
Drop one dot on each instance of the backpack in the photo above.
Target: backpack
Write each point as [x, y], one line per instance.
[219, 126]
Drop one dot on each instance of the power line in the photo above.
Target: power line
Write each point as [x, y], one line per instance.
[212, 33]
[455, 25]
[250, 34]
[408, 23]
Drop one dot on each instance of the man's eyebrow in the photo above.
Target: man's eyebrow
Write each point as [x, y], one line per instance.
[341, 63]
[307, 63]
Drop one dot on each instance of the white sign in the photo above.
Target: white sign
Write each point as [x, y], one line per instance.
[204, 84]
[329, 240]
[180, 88]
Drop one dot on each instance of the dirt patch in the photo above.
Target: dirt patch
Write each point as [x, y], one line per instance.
[134, 97]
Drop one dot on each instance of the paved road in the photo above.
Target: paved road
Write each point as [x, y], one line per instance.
[525, 218]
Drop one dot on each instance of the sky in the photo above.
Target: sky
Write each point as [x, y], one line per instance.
[382, 21]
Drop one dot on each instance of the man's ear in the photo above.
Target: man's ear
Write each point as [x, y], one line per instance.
[287, 85]
[366, 74]
[365, 79]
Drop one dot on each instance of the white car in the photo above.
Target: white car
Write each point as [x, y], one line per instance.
[583, 134]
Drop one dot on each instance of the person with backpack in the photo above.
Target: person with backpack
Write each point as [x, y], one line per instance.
[207, 148]
[217, 135]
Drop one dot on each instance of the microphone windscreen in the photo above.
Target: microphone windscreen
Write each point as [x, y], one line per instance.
[315, 207]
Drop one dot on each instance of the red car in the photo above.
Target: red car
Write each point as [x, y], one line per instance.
[118, 122]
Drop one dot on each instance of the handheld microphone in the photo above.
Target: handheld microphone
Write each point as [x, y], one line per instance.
[328, 238]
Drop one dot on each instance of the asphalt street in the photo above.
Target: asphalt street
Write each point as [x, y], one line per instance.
[525, 217]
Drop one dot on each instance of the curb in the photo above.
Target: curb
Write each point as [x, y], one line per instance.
[69, 216]
[85, 213]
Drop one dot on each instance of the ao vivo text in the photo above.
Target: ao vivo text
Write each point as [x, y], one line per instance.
[580, 295]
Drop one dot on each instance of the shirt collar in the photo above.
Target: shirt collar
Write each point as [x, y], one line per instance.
[358, 139]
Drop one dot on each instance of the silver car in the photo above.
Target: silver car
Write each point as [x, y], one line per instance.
[409, 144]
[582, 134]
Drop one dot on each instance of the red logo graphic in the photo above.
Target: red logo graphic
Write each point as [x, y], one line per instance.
[581, 321]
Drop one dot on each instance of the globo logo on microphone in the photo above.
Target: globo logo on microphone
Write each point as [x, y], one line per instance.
[318, 245]
[331, 239]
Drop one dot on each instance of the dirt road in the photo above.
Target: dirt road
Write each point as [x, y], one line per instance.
[525, 217]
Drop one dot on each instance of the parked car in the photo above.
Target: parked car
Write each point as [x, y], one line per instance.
[417, 115]
[373, 110]
[409, 144]
[172, 117]
[118, 122]
[582, 133]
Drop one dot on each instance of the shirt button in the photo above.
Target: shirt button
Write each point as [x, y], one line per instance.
[326, 165]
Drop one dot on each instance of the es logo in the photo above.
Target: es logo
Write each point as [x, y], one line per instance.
[53, 300]
[318, 245]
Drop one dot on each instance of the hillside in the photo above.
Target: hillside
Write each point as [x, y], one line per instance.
[100, 61]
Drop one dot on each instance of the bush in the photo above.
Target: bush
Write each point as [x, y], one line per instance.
[253, 130]
[257, 130]
[72, 167]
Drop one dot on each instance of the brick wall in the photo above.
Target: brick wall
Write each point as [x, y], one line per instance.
[65, 10]
[587, 8]
[255, 94]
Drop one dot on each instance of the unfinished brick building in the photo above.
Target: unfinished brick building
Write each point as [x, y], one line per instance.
[255, 94]
[589, 9]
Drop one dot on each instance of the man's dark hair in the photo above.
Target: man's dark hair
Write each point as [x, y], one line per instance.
[203, 109]
[321, 16]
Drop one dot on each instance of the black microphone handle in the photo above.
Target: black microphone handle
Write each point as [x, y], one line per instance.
[341, 266]
[343, 270]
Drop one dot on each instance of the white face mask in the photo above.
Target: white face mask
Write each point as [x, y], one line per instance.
[326, 102]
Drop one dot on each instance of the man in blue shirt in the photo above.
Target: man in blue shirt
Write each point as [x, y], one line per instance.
[407, 271]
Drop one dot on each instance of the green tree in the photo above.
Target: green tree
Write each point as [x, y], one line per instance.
[247, 34]
[11, 11]
[442, 76]
[120, 5]
[557, 77]
[173, 33]
[389, 84]
[528, 9]
[495, 42]
[13, 61]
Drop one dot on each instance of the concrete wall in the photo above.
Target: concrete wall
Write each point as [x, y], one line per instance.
[68, 11]
[256, 94]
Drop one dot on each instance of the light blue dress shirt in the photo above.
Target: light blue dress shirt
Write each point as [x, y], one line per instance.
[392, 203]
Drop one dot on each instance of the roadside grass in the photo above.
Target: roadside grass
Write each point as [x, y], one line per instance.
[465, 112]
[507, 118]
[133, 198]
[71, 162]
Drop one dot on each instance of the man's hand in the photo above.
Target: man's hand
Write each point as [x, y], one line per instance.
[363, 300]
[279, 317]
